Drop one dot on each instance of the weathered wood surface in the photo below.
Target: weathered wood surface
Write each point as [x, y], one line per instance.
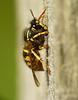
[67, 49]
[63, 27]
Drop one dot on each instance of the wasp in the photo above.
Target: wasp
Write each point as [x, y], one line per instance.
[34, 38]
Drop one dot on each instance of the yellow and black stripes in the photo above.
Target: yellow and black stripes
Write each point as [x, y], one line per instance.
[42, 33]
[26, 57]
[37, 65]
[28, 36]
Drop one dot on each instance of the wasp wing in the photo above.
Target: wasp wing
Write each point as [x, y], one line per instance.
[35, 78]
[37, 65]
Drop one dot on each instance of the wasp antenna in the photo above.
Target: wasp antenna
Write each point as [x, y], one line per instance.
[32, 13]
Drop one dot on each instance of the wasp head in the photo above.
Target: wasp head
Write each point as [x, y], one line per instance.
[37, 24]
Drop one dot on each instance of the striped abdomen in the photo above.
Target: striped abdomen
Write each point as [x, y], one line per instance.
[37, 65]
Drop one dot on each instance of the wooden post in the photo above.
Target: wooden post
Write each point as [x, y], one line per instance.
[63, 52]
[67, 49]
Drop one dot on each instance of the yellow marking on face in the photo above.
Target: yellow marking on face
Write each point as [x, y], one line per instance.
[26, 51]
[27, 58]
[28, 63]
[27, 34]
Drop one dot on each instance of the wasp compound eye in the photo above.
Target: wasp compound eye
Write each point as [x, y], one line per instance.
[33, 22]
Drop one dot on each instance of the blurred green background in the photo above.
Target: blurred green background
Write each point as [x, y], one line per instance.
[7, 50]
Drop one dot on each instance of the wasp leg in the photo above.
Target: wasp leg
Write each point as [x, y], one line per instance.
[43, 47]
[41, 14]
[42, 33]
[40, 60]
[35, 78]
